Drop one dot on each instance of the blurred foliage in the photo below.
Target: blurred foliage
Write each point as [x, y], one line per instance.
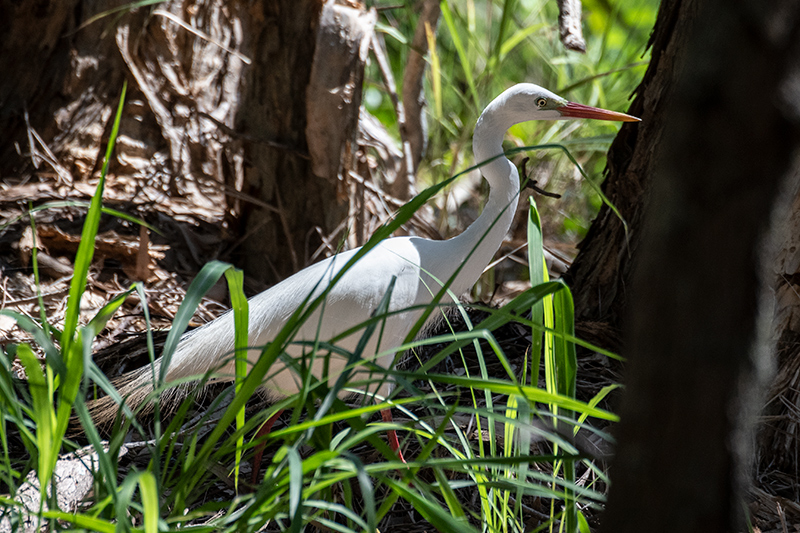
[484, 47]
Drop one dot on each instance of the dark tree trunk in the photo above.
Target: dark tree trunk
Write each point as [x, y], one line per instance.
[698, 343]
[283, 36]
[600, 274]
[217, 107]
[66, 80]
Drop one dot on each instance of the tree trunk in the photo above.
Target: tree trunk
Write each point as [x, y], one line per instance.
[697, 346]
[63, 80]
[279, 239]
[779, 438]
[179, 106]
[600, 275]
[216, 111]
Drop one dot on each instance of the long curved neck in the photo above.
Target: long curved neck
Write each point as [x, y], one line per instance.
[484, 236]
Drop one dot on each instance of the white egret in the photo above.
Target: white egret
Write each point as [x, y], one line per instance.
[419, 267]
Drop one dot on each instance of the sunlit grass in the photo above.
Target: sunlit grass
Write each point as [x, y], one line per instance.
[484, 47]
[315, 476]
[317, 473]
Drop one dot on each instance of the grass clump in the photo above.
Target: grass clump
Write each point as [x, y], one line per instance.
[317, 475]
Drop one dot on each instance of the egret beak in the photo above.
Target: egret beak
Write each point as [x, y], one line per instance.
[573, 110]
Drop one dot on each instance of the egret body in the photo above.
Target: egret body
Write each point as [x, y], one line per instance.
[419, 267]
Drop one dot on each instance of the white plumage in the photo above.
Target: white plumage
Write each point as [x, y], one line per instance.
[419, 265]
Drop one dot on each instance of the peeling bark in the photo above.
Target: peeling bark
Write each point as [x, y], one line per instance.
[277, 241]
[216, 111]
[334, 91]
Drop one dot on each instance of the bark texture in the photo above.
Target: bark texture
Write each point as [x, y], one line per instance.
[600, 274]
[699, 339]
[216, 110]
[778, 457]
[183, 65]
[282, 35]
[62, 79]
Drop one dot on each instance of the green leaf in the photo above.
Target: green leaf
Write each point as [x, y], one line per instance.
[537, 267]
[566, 358]
[83, 521]
[295, 490]
[430, 511]
[531, 393]
[43, 414]
[149, 490]
[241, 316]
[105, 210]
[205, 279]
[466, 64]
[83, 257]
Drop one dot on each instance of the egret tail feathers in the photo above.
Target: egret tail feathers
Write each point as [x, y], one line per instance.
[136, 388]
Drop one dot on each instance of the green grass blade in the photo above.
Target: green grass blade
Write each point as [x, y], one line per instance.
[241, 316]
[596, 399]
[37, 283]
[449, 495]
[436, 72]
[149, 491]
[82, 521]
[466, 64]
[367, 492]
[79, 203]
[11, 407]
[105, 210]
[508, 12]
[537, 268]
[205, 279]
[522, 34]
[295, 490]
[430, 511]
[41, 338]
[83, 258]
[101, 318]
[533, 394]
[566, 358]
[43, 414]
[108, 471]
[70, 386]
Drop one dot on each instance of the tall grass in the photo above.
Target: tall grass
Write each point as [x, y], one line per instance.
[317, 473]
[315, 476]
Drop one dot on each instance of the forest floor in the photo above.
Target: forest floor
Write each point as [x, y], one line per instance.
[192, 232]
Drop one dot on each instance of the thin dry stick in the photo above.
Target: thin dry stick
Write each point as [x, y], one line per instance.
[143, 255]
[413, 94]
[569, 25]
[286, 230]
[29, 129]
[782, 516]
[191, 29]
[47, 156]
[327, 241]
[404, 178]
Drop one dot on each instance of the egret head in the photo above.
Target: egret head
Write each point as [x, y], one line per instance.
[526, 101]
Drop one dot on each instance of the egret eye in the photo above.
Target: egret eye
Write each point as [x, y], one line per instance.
[541, 102]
